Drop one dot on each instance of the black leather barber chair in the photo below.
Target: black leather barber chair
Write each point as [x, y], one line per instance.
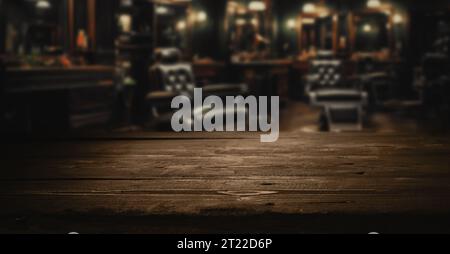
[342, 102]
[377, 80]
[432, 81]
[170, 77]
[435, 82]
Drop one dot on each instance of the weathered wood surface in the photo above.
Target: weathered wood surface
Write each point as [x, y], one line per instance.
[197, 174]
[200, 183]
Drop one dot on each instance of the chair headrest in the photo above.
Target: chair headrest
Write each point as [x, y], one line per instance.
[167, 55]
[325, 55]
[435, 65]
[326, 63]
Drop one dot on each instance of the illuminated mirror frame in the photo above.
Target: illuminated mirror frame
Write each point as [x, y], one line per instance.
[250, 6]
[187, 25]
[308, 16]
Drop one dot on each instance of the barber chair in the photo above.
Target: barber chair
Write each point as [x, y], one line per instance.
[435, 82]
[342, 102]
[377, 81]
[170, 77]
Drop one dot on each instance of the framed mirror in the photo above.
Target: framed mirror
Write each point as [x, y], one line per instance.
[371, 32]
[317, 30]
[172, 25]
[378, 32]
[33, 27]
[249, 29]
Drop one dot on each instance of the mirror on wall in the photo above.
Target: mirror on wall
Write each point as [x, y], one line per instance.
[33, 27]
[172, 25]
[378, 32]
[249, 29]
[318, 26]
[371, 32]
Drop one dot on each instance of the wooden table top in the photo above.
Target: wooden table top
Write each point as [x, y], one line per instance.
[164, 174]
[82, 68]
[24, 80]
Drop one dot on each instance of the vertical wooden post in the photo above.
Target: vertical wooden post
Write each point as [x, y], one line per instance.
[352, 32]
[190, 20]
[335, 20]
[91, 20]
[71, 23]
[2, 27]
[300, 33]
[391, 33]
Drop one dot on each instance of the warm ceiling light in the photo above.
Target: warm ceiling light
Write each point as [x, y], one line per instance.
[257, 6]
[126, 3]
[373, 3]
[43, 4]
[202, 16]
[162, 10]
[309, 8]
[398, 19]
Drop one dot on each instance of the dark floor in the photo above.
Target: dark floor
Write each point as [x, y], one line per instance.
[391, 178]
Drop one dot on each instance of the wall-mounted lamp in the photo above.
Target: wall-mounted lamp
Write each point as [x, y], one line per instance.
[240, 22]
[255, 22]
[125, 22]
[126, 3]
[397, 19]
[257, 6]
[309, 8]
[43, 4]
[162, 10]
[367, 28]
[373, 3]
[308, 21]
[324, 14]
[335, 18]
[181, 25]
[201, 16]
[290, 24]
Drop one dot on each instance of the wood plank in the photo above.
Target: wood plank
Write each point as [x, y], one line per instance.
[197, 174]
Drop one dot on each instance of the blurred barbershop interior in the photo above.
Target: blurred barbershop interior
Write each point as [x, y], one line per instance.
[115, 65]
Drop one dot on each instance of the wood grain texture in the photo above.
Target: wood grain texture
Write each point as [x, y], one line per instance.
[192, 174]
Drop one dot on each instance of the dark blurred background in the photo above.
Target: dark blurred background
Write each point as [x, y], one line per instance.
[86, 65]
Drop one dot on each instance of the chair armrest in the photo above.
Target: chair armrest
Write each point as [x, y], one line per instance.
[225, 88]
[161, 95]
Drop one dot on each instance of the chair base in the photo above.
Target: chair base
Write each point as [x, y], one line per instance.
[342, 110]
[342, 118]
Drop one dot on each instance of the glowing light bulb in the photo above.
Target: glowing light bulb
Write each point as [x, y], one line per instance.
[373, 3]
[43, 4]
[240, 22]
[162, 10]
[290, 24]
[309, 8]
[257, 6]
[202, 16]
[367, 28]
[181, 25]
[398, 19]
